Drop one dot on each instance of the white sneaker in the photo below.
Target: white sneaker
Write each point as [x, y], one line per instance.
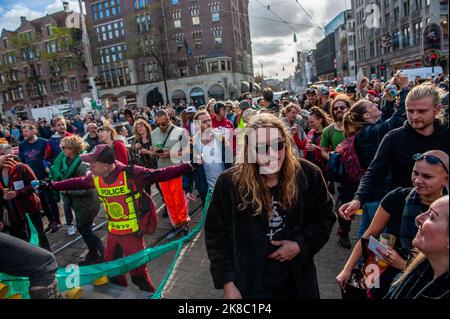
[70, 230]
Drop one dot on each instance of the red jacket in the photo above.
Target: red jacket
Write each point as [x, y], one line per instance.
[121, 152]
[26, 201]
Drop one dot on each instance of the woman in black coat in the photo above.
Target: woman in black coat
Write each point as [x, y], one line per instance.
[268, 217]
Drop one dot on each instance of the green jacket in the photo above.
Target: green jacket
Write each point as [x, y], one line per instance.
[85, 203]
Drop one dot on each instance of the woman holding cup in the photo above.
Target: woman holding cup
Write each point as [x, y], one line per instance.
[396, 214]
[317, 121]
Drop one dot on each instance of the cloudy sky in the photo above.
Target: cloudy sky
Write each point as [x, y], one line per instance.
[273, 39]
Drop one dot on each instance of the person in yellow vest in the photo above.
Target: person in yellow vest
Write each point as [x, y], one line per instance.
[130, 210]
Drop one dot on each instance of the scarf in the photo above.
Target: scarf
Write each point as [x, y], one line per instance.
[61, 169]
[420, 284]
[408, 228]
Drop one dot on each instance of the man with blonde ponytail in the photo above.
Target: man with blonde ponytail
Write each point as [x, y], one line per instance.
[423, 131]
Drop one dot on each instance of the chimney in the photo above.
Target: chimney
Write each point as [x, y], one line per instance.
[66, 6]
[23, 19]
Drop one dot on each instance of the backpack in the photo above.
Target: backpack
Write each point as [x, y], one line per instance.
[335, 169]
[350, 170]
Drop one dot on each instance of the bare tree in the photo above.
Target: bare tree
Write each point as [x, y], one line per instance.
[152, 40]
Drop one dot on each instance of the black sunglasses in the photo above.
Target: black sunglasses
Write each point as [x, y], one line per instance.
[431, 159]
[161, 125]
[264, 148]
[342, 108]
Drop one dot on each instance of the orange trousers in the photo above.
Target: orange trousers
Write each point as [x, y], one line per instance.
[177, 206]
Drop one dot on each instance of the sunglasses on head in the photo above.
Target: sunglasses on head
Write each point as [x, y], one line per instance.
[276, 146]
[431, 159]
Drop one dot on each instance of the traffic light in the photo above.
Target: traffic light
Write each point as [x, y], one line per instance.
[382, 67]
[432, 38]
[432, 57]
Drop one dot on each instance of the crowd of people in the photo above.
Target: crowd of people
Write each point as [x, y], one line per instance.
[380, 148]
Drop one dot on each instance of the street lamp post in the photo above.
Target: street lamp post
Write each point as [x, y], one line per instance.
[87, 54]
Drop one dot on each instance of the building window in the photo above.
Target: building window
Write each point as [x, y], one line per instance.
[112, 54]
[197, 36]
[183, 67]
[378, 47]
[387, 18]
[395, 40]
[73, 84]
[427, 3]
[59, 86]
[151, 72]
[406, 35]
[115, 77]
[396, 14]
[195, 14]
[94, 12]
[179, 41]
[215, 11]
[417, 32]
[146, 45]
[105, 9]
[176, 15]
[386, 3]
[217, 33]
[29, 54]
[406, 6]
[51, 46]
[49, 30]
[15, 93]
[418, 4]
[113, 8]
[144, 23]
[5, 43]
[213, 66]
[110, 31]
[139, 4]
